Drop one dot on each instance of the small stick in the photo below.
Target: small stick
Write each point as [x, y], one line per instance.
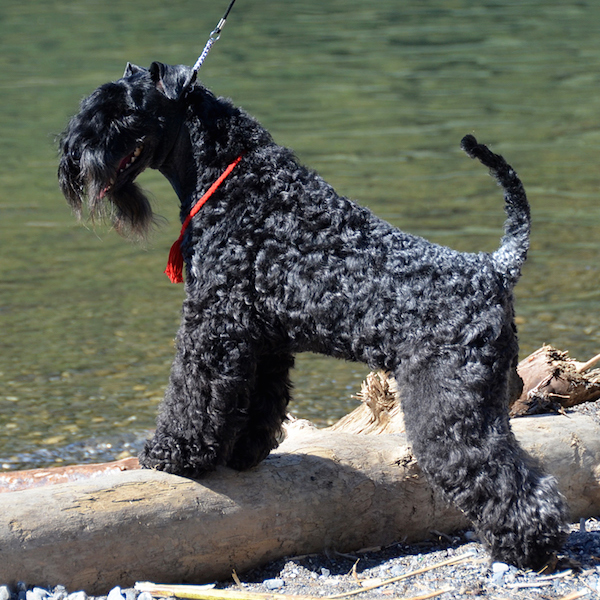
[527, 584]
[590, 363]
[354, 573]
[556, 575]
[204, 592]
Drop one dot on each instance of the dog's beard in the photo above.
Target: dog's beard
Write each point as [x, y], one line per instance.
[127, 208]
[121, 203]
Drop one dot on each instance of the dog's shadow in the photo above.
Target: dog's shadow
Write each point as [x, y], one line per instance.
[317, 499]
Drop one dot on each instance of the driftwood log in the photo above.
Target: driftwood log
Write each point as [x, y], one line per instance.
[553, 381]
[337, 489]
[322, 490]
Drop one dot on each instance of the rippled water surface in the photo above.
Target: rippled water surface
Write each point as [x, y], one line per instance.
[374, 95]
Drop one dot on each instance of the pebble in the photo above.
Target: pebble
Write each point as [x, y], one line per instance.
[36, 594]
[498, 571]
[500, 567]
[59, 593]
[397, 570]
[273, 584]
[115, 594]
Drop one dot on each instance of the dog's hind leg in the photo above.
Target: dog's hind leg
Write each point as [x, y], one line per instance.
[457, 422]
[266, 412]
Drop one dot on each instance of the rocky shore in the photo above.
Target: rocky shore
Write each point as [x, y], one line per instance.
[446, 567]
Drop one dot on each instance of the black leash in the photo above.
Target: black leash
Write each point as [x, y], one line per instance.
[214, 36]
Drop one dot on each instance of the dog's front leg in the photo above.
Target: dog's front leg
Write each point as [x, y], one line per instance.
[206, 404]
[267, 411]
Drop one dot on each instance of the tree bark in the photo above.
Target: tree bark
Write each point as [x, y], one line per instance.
[553, 381]
[321, 490]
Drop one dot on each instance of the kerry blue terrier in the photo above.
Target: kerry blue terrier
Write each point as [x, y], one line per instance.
[277, 263]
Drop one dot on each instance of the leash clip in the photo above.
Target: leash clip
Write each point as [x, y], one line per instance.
[215, 34]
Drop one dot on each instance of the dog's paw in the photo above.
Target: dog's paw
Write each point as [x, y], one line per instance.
[528, 535]
[161, 457]
[252, 447]
[172, 456]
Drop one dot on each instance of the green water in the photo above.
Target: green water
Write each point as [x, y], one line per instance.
[374, 95]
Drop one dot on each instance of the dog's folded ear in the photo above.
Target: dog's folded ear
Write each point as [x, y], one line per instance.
[132, 69]
[169, 79]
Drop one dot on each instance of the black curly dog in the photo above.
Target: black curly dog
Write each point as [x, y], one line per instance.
[277, 263]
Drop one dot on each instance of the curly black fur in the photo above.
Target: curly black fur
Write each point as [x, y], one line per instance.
[278, 263]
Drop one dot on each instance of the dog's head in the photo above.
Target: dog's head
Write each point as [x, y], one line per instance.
[122, 128]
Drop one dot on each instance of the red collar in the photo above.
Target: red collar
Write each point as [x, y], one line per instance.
[174, 268]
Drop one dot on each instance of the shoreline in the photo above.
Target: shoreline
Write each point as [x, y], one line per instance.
[335, 574]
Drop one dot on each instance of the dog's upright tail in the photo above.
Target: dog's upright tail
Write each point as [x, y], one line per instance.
[512, 252]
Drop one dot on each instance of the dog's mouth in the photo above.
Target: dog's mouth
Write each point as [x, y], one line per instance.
[129, 160]
[125, 167]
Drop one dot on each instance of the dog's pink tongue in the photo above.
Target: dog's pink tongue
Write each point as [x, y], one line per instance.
[124, 162]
